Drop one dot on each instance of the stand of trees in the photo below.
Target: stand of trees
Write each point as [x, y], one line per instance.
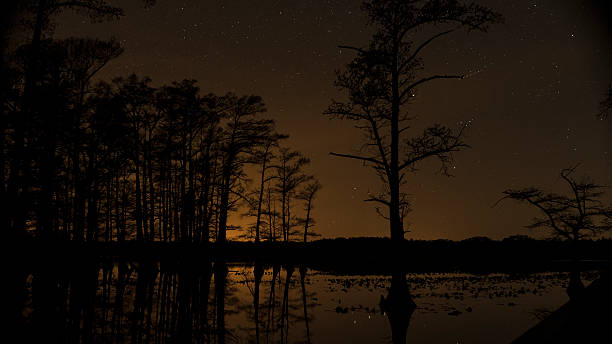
[91, 160]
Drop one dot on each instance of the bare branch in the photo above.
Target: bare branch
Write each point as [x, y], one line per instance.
[436, 141]
[352, 48]
[379, 200]
[423, 45]
[370, 159]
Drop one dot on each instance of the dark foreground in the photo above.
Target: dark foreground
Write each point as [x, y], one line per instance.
[584, 319]
[329, 291]
[118, 301]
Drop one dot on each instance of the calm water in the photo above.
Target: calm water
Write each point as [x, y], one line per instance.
[141, 303]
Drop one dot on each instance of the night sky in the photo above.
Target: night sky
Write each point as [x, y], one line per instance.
[532, 97]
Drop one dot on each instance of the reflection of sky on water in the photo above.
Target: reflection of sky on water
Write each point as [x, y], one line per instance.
[451, 307]
[158, 305]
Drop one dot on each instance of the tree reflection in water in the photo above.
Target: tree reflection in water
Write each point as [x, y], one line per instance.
[92, 301]
[303, 272]
[398, 306]
[157, 302]
[258, 272]
[220, 285]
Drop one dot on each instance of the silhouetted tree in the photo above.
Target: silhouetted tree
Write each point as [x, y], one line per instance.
[109, 137]
[290, 177]
[242, 134]
[207, 164]
[272, 214]
[120, 160]
[19, 181]
[136, 96]
[580, 215]
[181, 106]
[382, 80]
[263, 157]
[85, 57]
[308, 195]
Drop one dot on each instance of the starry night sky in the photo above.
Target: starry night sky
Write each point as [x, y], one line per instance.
[532, 97]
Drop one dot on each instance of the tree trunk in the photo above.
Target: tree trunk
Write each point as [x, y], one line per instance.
[139, 234]
[260, 200]
[151, 196]
[307, 220]
[223, 207]
[397, 233]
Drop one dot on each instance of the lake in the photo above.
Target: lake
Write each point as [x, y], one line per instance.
[155, 302]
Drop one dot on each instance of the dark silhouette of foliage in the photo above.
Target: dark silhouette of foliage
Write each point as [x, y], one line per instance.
[244, 132]
[123, 160]
[37, 16]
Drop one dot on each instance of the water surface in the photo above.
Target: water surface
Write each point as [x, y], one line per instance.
[241, 303]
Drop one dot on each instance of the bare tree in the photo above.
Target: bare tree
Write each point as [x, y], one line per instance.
[263, 156]
[580, 215]
[382, 80]
[308, 195]
[290, 176]
[244, 132]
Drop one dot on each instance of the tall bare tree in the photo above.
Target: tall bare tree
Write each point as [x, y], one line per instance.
[290, 177]
[263, 157]
[382, 80]
[243, 133]
[308, 195]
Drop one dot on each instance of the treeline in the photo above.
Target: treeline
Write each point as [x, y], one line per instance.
[516, 253]
[91, 160]
[367, 255]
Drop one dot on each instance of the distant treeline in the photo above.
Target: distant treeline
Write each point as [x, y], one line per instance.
[90, 160]
[514, 253]
[358, 255]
